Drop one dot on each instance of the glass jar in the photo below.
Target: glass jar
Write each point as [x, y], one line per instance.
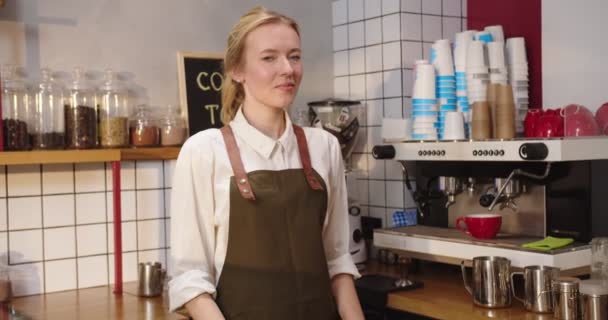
[80, 113]
[113, 113]
[49, 121]
[599, 258]
[173, 130]
[143, 129]
[16, 109]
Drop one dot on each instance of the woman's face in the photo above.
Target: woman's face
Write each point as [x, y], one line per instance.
[272, 67]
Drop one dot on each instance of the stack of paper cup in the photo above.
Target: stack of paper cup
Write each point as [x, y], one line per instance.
[441, 58]
[484, 36]
[497, 33]
[461, 44]
[477, 72]
[496, 59]
[424, 103]
[517, 65]
[454, 126]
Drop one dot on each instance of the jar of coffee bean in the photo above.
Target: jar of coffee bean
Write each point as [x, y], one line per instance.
[49, 119]
[144, 131]
[15, 110]
[113, 112]
[173, 130]
[80, 113]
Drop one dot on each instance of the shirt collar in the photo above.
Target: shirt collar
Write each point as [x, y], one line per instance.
[261, 143]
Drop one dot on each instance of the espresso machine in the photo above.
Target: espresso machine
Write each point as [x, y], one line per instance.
[552, 187]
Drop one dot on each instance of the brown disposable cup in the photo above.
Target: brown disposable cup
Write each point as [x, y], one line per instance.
[505, 121]
[481, 129]
[504, 94]
[492, 92]
[481, 111]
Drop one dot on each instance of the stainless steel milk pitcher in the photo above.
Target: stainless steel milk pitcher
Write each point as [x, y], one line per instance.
[491, 281]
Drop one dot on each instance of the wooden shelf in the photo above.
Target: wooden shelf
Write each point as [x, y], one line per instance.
[167, 153]
[84, 156]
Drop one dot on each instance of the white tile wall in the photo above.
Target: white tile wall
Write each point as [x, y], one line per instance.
[90, 177]
[59, 243]
[431, 28]
[355, 10]
[373, 8]
[57, 178]
[373, 58]
[91, 239]
[59, 220]
[341, 89]
[61, 275]
[23, 180]
[24, 213]
[396, 34]
[25, 246]
[411, 6]
[431, 7]
[356, 34]
[59, 210]
[373, 31]
[129, 266]
[356, 60]
[339, 12]
[341, 63]
[91, 208]
[92, 271]
[340, 37]
[391, 28]
[357, 87]
[390, 6]
[391, 55]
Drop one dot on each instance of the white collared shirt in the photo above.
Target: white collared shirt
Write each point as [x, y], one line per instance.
[200, 201]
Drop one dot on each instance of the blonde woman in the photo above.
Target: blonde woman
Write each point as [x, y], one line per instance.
[259, 224]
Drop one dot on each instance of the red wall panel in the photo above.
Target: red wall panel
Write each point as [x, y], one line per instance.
[519, 18]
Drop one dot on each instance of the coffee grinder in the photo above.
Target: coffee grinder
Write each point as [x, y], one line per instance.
[341, 119]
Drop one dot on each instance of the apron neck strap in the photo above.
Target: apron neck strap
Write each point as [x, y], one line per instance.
[313, 182]
[240, 176]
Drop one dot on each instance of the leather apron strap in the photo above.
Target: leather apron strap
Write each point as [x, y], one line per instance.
[240, 175]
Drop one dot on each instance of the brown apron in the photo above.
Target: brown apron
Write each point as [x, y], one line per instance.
[275, 264]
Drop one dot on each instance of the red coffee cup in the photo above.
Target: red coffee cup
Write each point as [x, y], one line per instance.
[481, 225]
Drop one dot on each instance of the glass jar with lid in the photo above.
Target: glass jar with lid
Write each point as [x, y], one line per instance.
[49, 122]
[173, 130]
[113, 112]
[144, 128]
[80, 113]
[16, 110]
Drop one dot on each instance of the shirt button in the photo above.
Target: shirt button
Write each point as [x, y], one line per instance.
[245, 190]
[242, 181]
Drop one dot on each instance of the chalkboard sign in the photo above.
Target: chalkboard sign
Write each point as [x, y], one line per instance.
[200, 89]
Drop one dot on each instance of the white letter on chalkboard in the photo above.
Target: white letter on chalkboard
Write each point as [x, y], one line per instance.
[211, 108]
[200, 83]
[213, 78]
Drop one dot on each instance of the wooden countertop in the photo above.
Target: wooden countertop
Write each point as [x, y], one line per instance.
[98, 303]
[443, 297]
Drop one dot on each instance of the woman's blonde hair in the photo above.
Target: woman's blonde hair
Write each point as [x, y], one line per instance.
[233, 93]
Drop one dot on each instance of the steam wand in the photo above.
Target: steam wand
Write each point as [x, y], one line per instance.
[519, 172]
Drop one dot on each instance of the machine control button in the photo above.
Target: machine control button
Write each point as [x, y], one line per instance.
[533, 151]
[502, 152]
[443, 152]
[484, 153]
[491, 152]
[420, 152]
[474, 153]
[424, 152]
[434, 152]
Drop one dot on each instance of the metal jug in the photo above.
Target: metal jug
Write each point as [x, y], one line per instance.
[565, 298]
[151, 276]
[491, 281]
[537, 283]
